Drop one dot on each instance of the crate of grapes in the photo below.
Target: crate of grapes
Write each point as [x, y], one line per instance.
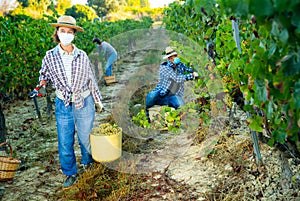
[106, 142]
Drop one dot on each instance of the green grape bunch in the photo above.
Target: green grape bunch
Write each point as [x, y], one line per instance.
[106, 129]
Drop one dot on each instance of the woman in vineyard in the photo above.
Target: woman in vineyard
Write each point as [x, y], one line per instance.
[69, 70]
[170, 89]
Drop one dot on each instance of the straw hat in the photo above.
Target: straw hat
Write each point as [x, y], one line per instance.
[67, 21]
[169, 52]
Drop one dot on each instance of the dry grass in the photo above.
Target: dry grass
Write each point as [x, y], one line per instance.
[233, 158]
[101, 183]
[237, 176]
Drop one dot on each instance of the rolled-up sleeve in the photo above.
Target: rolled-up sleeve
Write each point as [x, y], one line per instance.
[93, 86]
[44, 71]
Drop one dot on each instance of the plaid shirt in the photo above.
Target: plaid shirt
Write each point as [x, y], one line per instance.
[170, 75]
[82, 76]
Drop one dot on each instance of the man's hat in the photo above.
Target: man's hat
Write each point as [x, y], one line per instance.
[169, 52]
[67, 21]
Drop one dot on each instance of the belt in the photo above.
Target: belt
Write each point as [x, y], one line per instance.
[84, 94]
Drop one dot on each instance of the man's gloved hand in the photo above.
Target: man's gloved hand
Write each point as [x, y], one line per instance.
[99, 107]
[195, 74]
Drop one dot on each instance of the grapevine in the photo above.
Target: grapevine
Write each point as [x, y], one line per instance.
[266, 72]
[24, 42]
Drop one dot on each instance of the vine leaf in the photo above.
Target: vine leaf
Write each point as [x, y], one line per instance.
[255, 123]
[261, 8]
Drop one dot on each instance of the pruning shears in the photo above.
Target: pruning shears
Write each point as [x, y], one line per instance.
[38, 91]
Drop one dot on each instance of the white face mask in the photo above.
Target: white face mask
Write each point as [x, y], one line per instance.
[65, 38]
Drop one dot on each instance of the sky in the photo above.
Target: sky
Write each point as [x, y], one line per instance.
[159, 3]
[153, 3]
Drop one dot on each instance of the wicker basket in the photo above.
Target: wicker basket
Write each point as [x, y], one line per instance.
[8, 165]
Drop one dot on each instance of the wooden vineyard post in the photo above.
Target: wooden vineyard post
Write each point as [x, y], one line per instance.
[236, 36]
[2, 127]
[36, 105]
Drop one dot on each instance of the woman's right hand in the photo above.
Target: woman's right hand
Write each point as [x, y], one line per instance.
[43, 83]
[99, 107]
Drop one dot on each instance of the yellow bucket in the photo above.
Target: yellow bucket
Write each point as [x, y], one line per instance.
[106, 148]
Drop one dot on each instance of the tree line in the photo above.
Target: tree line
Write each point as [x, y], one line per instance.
[93, 9]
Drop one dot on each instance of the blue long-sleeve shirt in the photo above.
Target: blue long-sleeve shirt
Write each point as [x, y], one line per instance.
[109, 52]
[172, 78]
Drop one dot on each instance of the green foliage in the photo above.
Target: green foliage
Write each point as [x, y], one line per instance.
[62, 5]
[34, 8]
[37, 8]
[81, 11]
[267, 70]
[141, 119]
[155, 13]
[24, 42]
[53, 10]
[24, 3]
[133, 3]
[255, 124]
[138, 3]
[168, 119]
[99, 6]
[102, 7]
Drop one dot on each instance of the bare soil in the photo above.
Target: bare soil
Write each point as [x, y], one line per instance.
[221, 166]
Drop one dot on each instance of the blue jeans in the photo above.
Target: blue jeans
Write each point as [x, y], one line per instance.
[109, 64]
[67, 119]
[108, 70]
[153, 98]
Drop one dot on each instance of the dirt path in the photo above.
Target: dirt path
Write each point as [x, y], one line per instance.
[34, 142]
[176, 158]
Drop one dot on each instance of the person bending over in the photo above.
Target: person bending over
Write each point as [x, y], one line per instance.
[170, 88]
